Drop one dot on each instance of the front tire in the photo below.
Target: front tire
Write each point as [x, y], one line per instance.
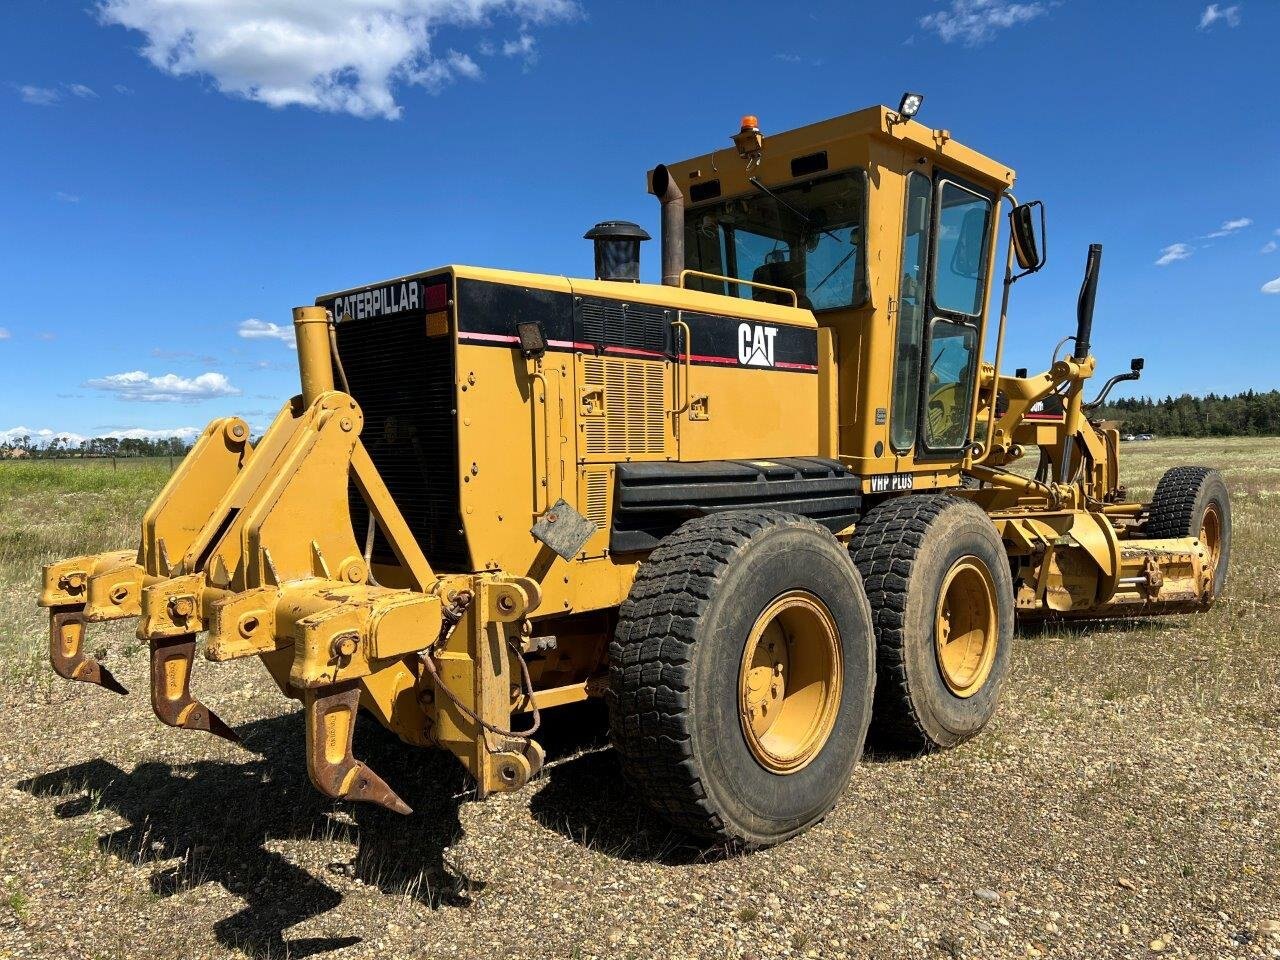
[941, 593]
[1193, 502]
[742, 676]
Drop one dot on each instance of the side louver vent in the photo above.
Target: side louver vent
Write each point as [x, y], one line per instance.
[628, 325]
[598, 497]
[634, 417]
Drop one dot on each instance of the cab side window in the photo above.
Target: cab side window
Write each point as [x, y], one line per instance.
[959, 288]
[912, 305]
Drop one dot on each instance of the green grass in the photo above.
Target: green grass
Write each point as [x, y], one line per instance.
[55, 509]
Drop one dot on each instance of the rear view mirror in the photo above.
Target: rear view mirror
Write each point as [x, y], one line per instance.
[1029, 249]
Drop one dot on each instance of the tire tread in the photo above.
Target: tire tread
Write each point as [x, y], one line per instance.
[651, 661]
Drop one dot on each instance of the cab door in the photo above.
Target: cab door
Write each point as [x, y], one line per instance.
[958, 282]
[941, 303]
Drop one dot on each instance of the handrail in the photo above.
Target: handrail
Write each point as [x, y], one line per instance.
[688, 362]
[795, 297]
[1009, 281]
[546, 442]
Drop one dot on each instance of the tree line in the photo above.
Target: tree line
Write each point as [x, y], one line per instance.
[1249, 414]
[59, 448]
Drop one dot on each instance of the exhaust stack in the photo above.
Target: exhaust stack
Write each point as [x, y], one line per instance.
[1084, 306]
[663, 186]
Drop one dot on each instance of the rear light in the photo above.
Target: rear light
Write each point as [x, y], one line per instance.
[437, 297]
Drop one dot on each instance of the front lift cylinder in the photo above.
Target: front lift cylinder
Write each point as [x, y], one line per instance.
[311, 326]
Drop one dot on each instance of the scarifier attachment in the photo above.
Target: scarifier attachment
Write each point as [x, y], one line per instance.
[253, 543]
[66, 650]
[171, 698]
[331, 722]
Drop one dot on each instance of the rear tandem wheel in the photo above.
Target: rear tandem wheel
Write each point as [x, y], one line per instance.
[941, 593]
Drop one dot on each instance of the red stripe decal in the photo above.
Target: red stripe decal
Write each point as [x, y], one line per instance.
[633, 351]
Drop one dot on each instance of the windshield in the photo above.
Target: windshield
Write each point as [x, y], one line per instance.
[809, 240]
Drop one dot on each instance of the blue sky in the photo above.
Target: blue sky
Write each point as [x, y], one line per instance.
[179, 173]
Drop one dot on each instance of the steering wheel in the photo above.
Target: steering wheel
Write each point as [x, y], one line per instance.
[943, 412]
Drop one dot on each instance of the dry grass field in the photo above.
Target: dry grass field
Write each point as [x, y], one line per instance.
[1123, 803]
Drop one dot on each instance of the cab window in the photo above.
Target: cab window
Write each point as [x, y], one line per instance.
[960, 258]
[953, 354]
[809, 238]
[905, 403]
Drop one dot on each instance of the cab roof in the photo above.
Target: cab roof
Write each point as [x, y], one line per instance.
[849, 141]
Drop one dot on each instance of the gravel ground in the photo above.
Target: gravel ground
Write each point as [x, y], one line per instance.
[1123, 803]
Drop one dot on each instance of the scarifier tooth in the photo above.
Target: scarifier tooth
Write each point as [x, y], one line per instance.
[67, 627]
[171, 699]
[331, 721]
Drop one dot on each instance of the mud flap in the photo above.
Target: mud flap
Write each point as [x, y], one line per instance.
[331, 722]
[66, 650]
[171, 699]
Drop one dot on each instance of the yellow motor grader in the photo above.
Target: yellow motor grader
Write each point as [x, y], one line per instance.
[762, 508]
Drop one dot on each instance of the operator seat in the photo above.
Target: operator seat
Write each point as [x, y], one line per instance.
[780, 273]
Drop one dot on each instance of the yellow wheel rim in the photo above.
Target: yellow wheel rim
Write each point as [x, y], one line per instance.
[1211, 535]
[966, 627]
[790, 683]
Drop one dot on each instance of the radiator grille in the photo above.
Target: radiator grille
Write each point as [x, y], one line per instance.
[634, 420]
[617, 324]
[404, 383]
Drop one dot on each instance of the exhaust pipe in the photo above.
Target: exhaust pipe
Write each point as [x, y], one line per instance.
[1084, 306]
[664, 188]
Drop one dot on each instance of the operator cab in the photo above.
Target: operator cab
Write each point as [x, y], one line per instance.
[886, 230]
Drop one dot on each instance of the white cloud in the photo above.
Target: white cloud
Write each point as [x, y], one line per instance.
[1214, 13]
[1173, 253]
[138, 385]
[974, 22]
[39, 96]
[522, 46]
[788, 57]
[1271, 286]
[1270, 247]
[66, 197]
[4, 334]
[123, 90]
[48, 96]
[525, 47]
[341, 56]
[1229, 227]
[142, 433]
[43, 436]
[39, 438]
[255, 329]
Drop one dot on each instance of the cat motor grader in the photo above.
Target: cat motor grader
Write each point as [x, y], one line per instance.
[761, 507]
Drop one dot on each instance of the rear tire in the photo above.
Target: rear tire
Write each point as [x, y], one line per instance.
[742, 676]
[941, 593]
[1193, 502]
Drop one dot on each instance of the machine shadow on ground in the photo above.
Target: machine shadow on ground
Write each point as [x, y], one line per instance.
[216, 817]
